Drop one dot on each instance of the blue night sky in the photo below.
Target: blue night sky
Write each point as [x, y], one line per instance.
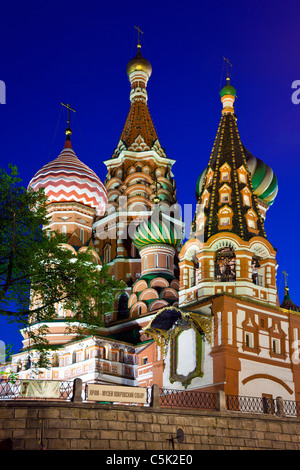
[76, 52]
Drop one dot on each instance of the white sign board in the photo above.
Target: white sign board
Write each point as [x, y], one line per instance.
[97, 392]
[40, 389]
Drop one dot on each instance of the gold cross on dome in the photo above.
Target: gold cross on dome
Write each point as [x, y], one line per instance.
[285, 276]
[139, 31]
[68, 108]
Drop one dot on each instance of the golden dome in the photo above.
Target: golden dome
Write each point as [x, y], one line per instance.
[139, 63]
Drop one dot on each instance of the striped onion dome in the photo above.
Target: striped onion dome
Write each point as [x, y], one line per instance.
[67, 179]
[264, 181]
[158, 229]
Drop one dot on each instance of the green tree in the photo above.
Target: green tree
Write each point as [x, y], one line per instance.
[37, 272]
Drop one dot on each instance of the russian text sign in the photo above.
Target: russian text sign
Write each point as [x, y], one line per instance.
[97, 392]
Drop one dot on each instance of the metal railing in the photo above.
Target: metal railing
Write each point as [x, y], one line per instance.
[171, 398]
[251, 404]
[188, 399]
[291, 408]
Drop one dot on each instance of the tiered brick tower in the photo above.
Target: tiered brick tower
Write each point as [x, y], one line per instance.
[139, 175]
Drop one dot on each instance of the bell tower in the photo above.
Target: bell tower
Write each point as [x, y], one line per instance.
[228, 250]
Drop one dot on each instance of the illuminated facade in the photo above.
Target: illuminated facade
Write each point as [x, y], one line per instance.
[196, 314]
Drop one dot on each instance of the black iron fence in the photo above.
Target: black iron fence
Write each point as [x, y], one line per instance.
[196, 399]
[251, 404]
[188, 399]
[166, 398]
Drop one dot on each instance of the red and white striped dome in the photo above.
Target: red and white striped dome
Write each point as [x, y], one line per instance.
[67, 179]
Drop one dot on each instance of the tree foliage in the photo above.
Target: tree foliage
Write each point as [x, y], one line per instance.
[38, 272]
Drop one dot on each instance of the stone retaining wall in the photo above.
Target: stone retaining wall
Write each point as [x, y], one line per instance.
[70, 425]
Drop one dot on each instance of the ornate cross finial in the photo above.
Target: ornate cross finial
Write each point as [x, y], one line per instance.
[228, 63]
[285, 276]
[139, 31]
[68, 108]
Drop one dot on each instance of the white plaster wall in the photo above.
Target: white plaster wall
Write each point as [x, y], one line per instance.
[257, 387]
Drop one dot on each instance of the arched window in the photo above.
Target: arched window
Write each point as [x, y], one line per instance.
[82, 235]
[107, 250]
[156, 260]
[123, 311]
[258, 272]
[55, 360]
[74, 357]
[255, 266]
[64, 229]
[225, 265]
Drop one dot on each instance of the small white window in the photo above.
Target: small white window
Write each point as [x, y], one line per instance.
[225, 221]
[242, 178]
[64, 229]
[246, 200]
[276, 346]
[249, 340]
[156, 260]
[82, 235]
[251, 223]
[145, 262]
[225, 176]
[224, 197]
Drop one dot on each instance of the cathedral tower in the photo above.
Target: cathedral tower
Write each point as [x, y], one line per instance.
[228, 250]
[139, 175]
[75, 197]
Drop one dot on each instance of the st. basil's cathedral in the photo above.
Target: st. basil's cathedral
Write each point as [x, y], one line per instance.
[196, 313]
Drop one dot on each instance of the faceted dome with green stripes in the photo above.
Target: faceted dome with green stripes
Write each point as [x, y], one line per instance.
[264, 181]
[158, 229]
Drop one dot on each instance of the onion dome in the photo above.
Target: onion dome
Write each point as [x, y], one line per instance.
[139, 63]
[287, 302]
[228, 90]
[264, 181]
[200, 182]
[158, 229]
[67, 179]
